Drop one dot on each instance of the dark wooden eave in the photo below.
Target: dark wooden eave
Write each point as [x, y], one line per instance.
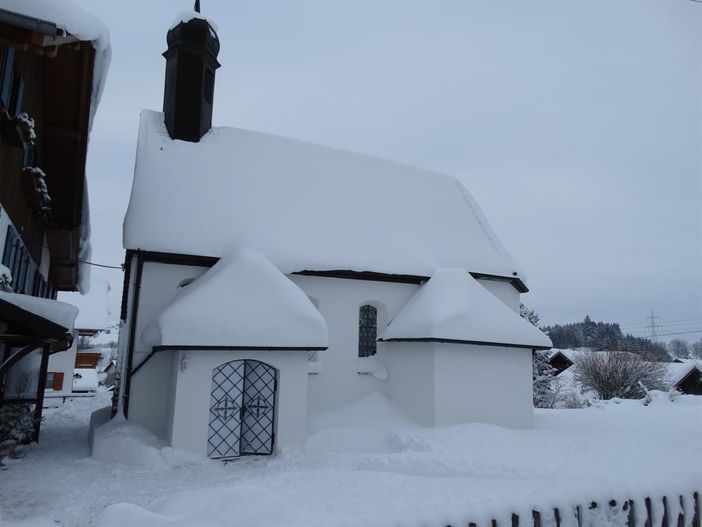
[65, 138]
[471, 342]
[209, 261]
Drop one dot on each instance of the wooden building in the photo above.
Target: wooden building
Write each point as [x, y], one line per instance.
[51, 75]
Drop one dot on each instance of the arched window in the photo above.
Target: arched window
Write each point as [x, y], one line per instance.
[367, 330]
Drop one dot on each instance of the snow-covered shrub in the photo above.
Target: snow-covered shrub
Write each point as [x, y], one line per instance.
[542, 377]
[5, 280]
[37, 191]
[16, 422]
[618, 374]
[25, 128]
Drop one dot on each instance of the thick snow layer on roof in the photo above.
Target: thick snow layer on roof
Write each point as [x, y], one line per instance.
[452, 305]
[243, 300]
[305, 206]
[57, 312]
[92, 307]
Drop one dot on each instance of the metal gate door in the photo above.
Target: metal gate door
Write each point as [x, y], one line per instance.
[242, 409]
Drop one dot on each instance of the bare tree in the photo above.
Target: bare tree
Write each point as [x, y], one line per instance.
[679, 349]
[619, 374]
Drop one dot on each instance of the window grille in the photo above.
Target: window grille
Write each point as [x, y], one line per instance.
[367, 331]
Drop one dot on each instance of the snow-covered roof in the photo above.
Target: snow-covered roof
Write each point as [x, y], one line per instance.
[242, 301]
[678, 371]
[304, 206]
[52, 310]
[453, 306]
[92, 307]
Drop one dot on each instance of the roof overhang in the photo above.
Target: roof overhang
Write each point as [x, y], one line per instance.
[467, 342]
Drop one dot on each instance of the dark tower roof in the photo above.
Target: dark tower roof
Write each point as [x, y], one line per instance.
[191, 61]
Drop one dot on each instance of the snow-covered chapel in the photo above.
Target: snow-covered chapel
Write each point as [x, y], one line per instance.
[265, 282]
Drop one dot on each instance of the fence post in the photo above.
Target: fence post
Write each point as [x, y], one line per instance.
[631, 517]
[649, 514]
[666, 512]
[515, 520]
[579, 516]
[557, 516]
[536, 515]
[696, 510]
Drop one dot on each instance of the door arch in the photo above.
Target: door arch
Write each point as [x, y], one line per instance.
[242, 409]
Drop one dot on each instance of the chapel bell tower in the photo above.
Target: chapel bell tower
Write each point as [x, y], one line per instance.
[191, 61]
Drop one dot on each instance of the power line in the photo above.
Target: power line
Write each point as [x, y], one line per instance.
[102, 265]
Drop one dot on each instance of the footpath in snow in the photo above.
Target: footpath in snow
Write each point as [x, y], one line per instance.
[364, 465]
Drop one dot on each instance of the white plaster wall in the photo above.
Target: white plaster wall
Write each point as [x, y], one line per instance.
[64, 362]
[411, 379]
[339, 382]
[194, 386]
[484, 384]
[503, 291]
[152, 385]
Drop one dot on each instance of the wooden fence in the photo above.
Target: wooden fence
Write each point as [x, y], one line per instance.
[668, 511]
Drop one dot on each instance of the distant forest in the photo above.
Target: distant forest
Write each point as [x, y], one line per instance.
[603, 336]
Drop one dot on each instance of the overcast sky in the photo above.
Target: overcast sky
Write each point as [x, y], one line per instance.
[577, 125]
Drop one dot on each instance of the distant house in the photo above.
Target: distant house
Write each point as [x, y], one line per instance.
[559, 361]
[685, 375]
[269, 278]
[53, 58]
[91, 319]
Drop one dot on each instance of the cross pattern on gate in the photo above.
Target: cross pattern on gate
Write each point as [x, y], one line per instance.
[226, 408]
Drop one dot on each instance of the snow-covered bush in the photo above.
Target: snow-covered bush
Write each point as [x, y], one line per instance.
[25, 128]
[542, 377]
[5, 280]
[16, 422]
[618, 374]
[37, 191]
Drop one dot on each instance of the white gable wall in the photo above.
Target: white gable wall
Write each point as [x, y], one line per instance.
[339, 382]
[484, 384]
[152, 386]
[193, 390]
[152, 391]
[504, 291]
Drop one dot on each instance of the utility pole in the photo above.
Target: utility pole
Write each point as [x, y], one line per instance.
[653, 332]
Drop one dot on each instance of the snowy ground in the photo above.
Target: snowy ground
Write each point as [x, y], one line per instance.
[380, 471]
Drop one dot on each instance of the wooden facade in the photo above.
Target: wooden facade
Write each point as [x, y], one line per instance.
[50, 79]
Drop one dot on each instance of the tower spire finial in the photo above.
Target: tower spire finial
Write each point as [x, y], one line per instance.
[197, 6]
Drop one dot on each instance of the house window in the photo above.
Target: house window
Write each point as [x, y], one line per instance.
[54, 381]
[7, 77]
[367, 330]
[17, 95]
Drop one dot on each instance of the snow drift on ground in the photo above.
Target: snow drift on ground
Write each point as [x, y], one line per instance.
[414, 477]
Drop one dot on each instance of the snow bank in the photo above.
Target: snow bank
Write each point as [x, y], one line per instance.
[304, 206]
[243, 300]
[57, 312]
[120, 441]
[371, 424]
[452, 305]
